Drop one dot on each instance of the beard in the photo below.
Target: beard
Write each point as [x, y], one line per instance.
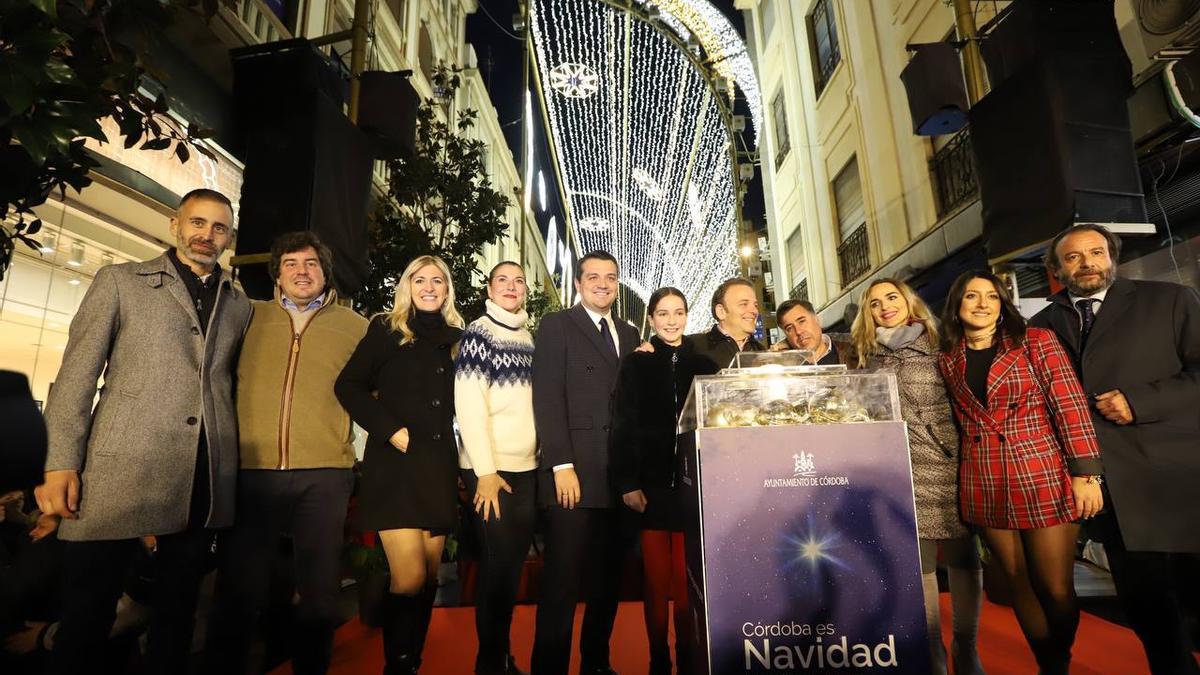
[1102, 280]
[191, 252]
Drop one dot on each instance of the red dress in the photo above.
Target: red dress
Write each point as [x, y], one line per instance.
[1014, 471]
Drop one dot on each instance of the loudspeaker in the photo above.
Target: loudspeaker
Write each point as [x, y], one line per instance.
[937, 96]
[272, 79]
[1052, 147]
[307, 166]
[310, 170]
[387, 112]
[1033, 29]
[1168, 28]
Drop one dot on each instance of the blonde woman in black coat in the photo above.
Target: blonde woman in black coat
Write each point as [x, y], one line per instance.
[399, 386]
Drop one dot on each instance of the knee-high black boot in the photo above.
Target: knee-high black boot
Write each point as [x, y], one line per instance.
[426, 598]
[401, 627]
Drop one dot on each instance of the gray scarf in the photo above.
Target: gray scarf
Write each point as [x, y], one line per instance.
[899, 337]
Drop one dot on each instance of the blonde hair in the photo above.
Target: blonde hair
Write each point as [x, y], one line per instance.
[862, 332]
[402, 309]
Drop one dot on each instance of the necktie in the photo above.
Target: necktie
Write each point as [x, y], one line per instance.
[606, 335]
[1088, 314]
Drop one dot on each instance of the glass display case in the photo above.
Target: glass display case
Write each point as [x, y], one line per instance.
[778, 395]
[790, 358]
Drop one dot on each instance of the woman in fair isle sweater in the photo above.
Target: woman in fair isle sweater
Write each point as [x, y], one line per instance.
[493, 397]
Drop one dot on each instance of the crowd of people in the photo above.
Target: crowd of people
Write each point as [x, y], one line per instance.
[223, 424]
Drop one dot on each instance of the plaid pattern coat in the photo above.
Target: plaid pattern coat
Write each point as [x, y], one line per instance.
[1036, 430]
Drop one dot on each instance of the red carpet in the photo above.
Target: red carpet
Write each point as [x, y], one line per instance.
[1101, 647]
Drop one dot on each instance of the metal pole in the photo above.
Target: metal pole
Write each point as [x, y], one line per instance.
[525, 110]
[964, 21]
[358, 53]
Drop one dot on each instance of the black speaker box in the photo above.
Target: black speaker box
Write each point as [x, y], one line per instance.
[1052, 147]
[1032, 29]
[937, 96]
[310, 170]
[387, 112]
[272, 79]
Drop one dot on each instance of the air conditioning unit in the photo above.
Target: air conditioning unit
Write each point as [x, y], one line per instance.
[1170, 28]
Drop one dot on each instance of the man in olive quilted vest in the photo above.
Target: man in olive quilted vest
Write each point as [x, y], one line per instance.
[296, 459]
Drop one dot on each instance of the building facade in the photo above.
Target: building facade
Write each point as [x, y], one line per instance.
[852, 193]
[124, 215]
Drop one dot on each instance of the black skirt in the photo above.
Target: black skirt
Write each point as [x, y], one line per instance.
[417, 489]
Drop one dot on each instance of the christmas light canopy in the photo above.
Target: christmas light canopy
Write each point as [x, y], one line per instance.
[644, 158]
[724, 48]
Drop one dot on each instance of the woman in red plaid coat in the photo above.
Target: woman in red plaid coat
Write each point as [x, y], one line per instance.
[1030, 461]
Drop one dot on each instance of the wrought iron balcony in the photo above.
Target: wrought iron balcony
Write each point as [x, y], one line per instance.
[257, 19]
[800, 292]
[854, 255]
[954, 174]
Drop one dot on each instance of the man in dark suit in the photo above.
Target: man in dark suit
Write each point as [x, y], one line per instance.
[1136, 348]
[574, 371]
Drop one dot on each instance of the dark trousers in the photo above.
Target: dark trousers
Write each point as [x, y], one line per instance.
[584, 549]
[503, 545]
[1156, 590]
[94, 574]
[309, 505]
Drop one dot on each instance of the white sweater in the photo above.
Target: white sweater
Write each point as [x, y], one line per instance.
[493, 394]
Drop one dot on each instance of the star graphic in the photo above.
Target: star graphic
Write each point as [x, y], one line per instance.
[814, 548]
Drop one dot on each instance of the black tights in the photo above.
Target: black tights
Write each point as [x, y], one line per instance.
[1039, 565]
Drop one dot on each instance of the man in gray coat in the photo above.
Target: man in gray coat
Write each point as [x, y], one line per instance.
[156, 460]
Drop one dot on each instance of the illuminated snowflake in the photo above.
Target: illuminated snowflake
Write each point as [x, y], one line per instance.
[648, 185]
[595, 224]
[574, 80]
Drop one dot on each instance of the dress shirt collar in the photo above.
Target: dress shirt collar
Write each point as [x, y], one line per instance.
[1098, 295]
[316, 303]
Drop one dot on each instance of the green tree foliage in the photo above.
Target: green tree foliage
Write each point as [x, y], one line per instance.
[64, 66]
[441, 204]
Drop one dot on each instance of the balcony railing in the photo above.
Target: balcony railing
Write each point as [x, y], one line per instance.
[260, 21]
[800, 292]
[954, 174]
[854, 255]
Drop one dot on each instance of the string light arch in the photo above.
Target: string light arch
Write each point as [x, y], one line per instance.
[643, 143]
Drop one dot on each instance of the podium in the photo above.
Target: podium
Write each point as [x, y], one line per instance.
[802, 550]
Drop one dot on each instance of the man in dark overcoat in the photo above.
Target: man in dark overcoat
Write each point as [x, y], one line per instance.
[1136, 348]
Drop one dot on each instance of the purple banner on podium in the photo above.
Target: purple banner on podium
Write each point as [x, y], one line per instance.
[807, 559]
